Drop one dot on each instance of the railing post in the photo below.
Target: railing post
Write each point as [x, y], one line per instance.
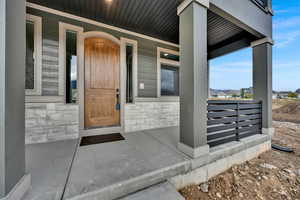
[237, 121]
[261, 110]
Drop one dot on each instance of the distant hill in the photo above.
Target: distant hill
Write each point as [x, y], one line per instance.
[298, 91]
[226, 91]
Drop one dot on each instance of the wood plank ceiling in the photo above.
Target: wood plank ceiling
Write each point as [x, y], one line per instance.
[156, 18]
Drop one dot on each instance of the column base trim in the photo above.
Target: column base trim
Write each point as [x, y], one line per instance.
[193, 152]
[20, 189]
[268, 131]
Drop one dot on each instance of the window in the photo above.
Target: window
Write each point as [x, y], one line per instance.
[168, 72]
[33, 55]
[71, 67]
[29, 81]
[69, 60]
[169, 56]
[129, 72]
[169, 80]
[129, 62]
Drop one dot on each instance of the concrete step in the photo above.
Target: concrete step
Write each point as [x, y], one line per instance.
[162, 191]
[136, 184]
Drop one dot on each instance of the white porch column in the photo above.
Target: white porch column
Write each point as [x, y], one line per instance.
[193, 77]
[13, 181]
[262, 80]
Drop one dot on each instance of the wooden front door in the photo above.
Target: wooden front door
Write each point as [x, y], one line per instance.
[102, 65]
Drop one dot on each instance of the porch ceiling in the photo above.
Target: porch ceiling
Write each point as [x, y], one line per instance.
[154, 18]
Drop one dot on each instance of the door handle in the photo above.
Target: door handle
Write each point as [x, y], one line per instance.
[118, 106]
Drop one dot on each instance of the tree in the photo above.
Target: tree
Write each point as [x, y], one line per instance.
[292, 95]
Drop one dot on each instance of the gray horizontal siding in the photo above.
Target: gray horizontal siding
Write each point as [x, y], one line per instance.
[147, 69]
[50, 67]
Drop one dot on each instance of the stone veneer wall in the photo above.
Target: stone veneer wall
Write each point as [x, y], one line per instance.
[150, 115]
[46, 122]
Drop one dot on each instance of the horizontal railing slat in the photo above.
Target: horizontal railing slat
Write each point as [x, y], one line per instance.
[250, 122]
[251, 111]
[221, 135]
[249, 106]
[220, 128]
[221, 114]
[221, 107]
[249, 134]
[222, 141]
[233, 102]
[247, 117]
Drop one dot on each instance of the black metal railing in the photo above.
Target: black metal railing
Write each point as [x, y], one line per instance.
[232, 120]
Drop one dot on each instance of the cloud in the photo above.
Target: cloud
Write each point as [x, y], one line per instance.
[284, 39]
[290, 22]
[286, 31]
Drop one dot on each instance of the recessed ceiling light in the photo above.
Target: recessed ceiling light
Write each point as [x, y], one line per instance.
[108, 1]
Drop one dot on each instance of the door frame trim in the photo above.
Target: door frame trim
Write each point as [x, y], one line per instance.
[81, 72]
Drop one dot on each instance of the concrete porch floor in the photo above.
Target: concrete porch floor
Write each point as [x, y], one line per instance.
[113, 170]
[139, 161]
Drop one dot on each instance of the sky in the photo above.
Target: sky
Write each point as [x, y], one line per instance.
[234, 71]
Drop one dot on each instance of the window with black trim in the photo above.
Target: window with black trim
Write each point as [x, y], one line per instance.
[129, 73]
[169, 80]
[71, 67]
[29, 78]
[168, 72]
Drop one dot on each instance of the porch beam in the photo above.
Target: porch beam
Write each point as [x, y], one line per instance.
[262, 80]
[193, 80]
[13, 181]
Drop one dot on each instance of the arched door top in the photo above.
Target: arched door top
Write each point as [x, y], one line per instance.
[101, 35]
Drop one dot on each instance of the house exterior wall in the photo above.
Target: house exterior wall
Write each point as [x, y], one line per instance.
[51, 119]
[150, 115]
[47, 122]
[146, 53]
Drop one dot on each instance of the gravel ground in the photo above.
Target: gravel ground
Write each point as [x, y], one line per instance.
[273, 175]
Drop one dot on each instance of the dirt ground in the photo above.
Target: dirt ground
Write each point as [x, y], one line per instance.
[273, 175]
[286, 110]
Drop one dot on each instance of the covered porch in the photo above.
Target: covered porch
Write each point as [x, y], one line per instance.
[211, 135]
[63, 170]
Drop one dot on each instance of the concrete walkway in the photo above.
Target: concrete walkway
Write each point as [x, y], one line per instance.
[49, 164]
